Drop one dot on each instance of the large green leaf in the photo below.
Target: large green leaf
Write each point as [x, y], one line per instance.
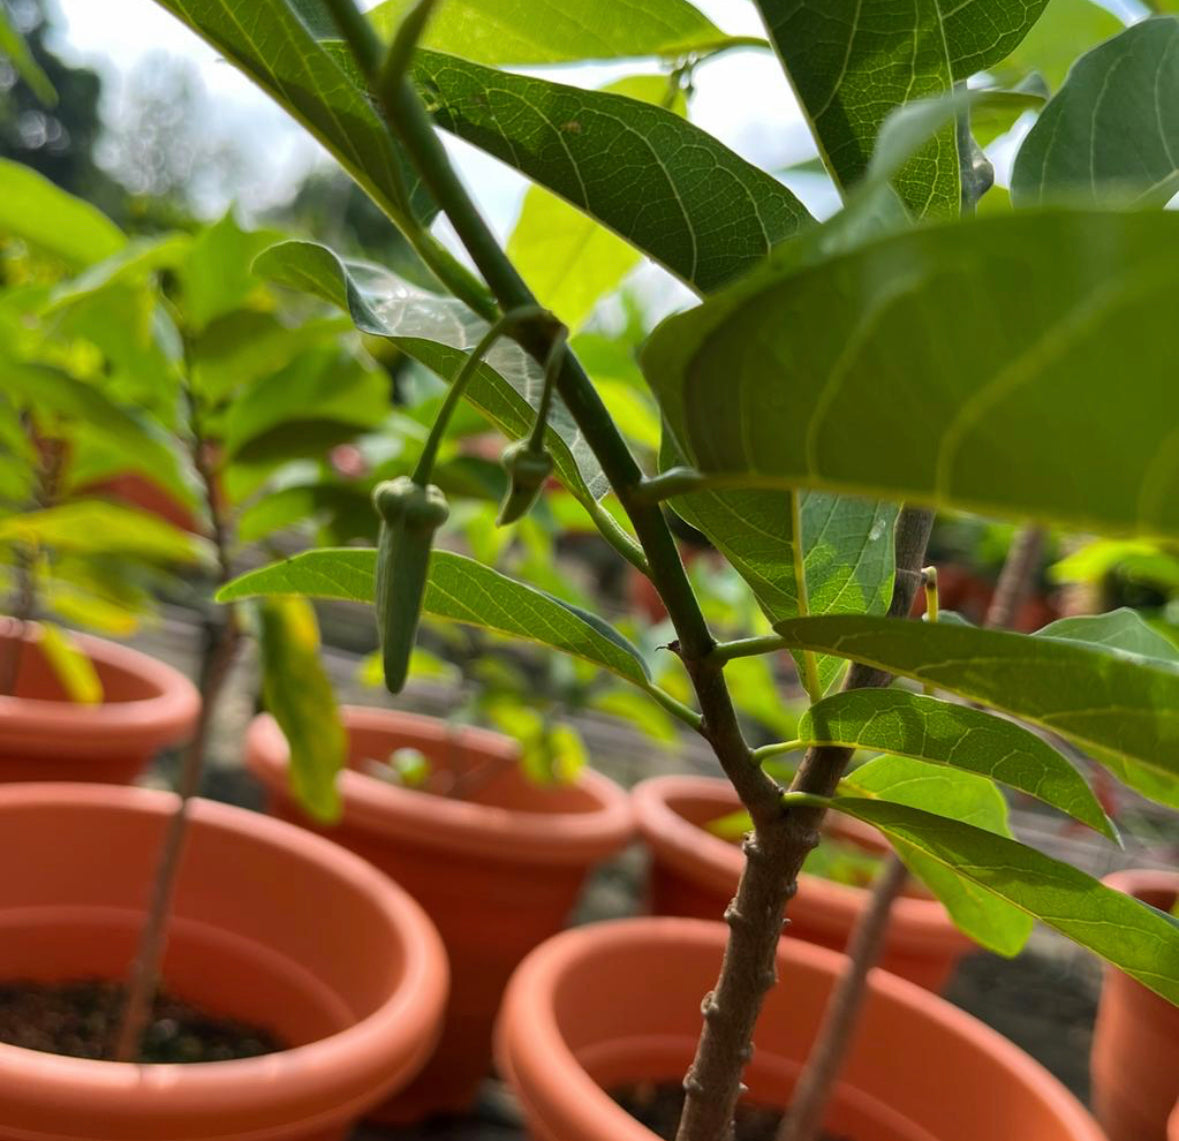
[13, 45]
[667, 187]
[280, 52]
[966, 366]
[1108, 700]
[1112, 132]
[927, 729]
[963, 797]
[1141, 940]
[1066, 29]
[298, 694]
[459, 589]
[523, 32]
[439, 332]
[35, 210]
[215, 277]
[853, 61]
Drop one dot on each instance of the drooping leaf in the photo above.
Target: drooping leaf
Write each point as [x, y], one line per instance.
[35, 210]
[70, 665]
[1139, 939]
[1067, 29]
[13, 45]
[279, 50]
[967, 799]
[1110, 701]
[928, 729]
[459, 589]
[298, 694]
[439, 332]
[519, 32]
[963, 366]
[854, 61]
[1112, 132]
[686, 201]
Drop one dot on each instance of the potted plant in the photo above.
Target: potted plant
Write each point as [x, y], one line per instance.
[897, 352]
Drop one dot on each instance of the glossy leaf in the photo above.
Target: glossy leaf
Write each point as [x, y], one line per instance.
[439, 332]
[1110, 701]
[853, 61]
[70, 666]
[1112, 132]
[459, 589]
[1140, 940]
[928, 729]
[14, 47]
[35, 210]
[520, 32]
[686, 201]
[965, 798]
[963, 366]
[298, 694]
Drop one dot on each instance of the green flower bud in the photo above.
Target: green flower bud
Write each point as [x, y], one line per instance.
[528, 472]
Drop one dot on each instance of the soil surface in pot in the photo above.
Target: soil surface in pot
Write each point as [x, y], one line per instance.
[658, 1106]
[80, 1019]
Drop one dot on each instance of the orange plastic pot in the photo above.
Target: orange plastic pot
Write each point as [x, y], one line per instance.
[271, 925]
[1134, 1064]
[694, 873]
[498, 871]
[45, 736]
[1173, 1124]
[618, 1003]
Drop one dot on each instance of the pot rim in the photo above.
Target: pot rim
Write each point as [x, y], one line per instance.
[342, 1069]
[1143, 881]
[531, 1050]
[169, 712]
[473, 829]
[915, 922]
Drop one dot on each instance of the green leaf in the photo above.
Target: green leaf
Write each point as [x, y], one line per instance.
[1109, 701]
[459, 589]
[640, 711]
[521, 32]
[94, 526]
[1138, 939]
[962, 366]
[280, 53]
[966, 798]
[439, 332]
[298, 693]
[568, 260]
[1065, 30]
[926, 729]
[215, 278]
[12, 45]
[72, 668]
[1112, 132]
[686, 201]
[852, 61]
[57, 223]
[133, 264]
[1135, 559]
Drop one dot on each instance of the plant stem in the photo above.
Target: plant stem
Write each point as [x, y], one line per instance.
[830, 1046]
[775, 852]
[747, 647]
[1017, 577]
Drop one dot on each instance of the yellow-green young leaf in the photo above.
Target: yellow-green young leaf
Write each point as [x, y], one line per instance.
[570, 261]
[132, 265]
[94, 526]
[1137, 560]
[945, 733]
[422, 664]
[960, 366]
[1107, 701]
[13, 45]
[1067, 29]
[1139, 939]
[72, 668]
[459, 589]
[35, 210]
[667, 187]
[520, 32]
[639, 710]
[299, 696]
[1112, 131]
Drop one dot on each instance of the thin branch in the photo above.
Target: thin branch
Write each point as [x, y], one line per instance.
[1017, 577]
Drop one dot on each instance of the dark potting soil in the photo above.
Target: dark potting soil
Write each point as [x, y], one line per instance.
[658, 1105]
[80, 1020]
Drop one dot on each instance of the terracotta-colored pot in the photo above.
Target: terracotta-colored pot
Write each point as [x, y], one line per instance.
[498, 871]
[271, 925]
[694, 873]
[1134, 1065]
[1173, 1124]
[45, 736]
[618, 1003]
